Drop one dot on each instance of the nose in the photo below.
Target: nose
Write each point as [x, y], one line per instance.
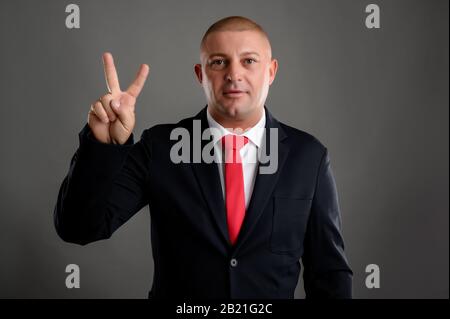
[233, 72]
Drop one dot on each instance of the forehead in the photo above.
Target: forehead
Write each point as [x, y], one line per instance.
[235, 42]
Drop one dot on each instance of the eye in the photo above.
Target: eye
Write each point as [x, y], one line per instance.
[250, 61]
[218, 62]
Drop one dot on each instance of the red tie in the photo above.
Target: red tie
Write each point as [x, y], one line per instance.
[234, 184]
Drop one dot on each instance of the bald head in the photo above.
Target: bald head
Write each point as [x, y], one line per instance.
[235, 24]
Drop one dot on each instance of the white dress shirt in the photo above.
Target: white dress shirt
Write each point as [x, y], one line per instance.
[249, 152]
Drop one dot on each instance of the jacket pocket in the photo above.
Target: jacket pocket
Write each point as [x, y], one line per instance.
[290, 219]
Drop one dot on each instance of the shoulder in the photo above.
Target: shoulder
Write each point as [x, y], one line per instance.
[302, 139]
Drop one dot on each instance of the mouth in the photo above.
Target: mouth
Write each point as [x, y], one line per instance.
[233, 93]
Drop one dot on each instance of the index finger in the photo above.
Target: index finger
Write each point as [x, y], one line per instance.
[112, 80]
[135, 88]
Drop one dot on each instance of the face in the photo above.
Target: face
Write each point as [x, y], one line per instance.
[236, 71]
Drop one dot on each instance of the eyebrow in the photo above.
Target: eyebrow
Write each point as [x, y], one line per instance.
[242, 54]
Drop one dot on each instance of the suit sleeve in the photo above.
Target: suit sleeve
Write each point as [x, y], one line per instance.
[105, 187]
[326, 270]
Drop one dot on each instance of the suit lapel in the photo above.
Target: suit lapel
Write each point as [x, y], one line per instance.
[209, 181]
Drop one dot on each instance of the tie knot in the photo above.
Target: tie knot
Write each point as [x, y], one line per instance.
[234, 142]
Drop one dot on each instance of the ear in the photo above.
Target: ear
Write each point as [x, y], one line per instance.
[273, 70]
[198, 72]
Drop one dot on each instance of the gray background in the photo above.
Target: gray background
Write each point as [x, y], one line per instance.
[378, 99]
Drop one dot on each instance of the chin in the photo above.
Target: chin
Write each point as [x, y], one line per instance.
[234, 108]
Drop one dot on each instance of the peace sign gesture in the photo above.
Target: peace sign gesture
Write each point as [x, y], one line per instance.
[112, 118]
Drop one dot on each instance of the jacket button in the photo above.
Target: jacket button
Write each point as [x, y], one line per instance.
[233, 262]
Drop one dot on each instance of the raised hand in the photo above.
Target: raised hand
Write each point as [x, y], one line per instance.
[112, 118]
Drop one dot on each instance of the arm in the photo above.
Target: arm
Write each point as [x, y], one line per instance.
[326, 270]
[105, 187]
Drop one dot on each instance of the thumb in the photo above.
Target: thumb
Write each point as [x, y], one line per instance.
[117, 107]
[115, 104]
[123, 106]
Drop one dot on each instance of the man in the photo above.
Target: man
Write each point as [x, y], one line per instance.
[222, 228]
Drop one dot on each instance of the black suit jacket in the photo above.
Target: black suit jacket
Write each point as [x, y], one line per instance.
[293, 214]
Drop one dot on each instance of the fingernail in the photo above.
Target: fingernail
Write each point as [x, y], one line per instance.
[106, 120]
[115, 103]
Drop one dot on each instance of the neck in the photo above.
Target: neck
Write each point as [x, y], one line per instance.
[243, 123]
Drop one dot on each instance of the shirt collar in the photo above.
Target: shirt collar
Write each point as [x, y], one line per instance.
[255, 134]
